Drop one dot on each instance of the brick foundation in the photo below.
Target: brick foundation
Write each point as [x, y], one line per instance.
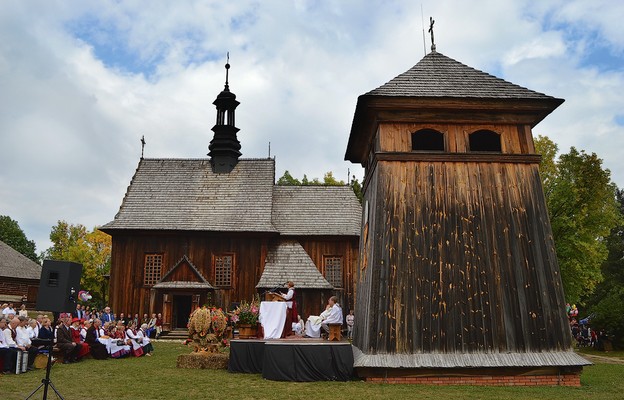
[478, 377]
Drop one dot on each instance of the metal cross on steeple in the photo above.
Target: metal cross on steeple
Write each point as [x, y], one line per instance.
[227, 71]
[142, 145]
[431, 22]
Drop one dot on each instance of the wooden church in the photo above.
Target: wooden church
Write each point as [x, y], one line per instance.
[219, 231]
[458, 279]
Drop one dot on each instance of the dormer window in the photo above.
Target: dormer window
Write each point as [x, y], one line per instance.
[427, 140]
[484, 140]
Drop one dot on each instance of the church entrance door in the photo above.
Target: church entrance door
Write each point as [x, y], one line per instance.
[182, 305]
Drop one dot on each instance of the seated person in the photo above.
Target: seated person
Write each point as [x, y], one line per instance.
[331, 315]
[65, 341]
[120, 346]
[98, 349]
[77, 338]
[46, 331]
[136, 340]
[299, 326]
[148, 348]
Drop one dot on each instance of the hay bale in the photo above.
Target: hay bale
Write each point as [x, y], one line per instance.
[203, 360]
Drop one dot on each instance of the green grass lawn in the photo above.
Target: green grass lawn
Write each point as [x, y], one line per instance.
[158, 378]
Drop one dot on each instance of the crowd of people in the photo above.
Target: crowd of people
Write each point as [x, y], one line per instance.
[78, 334]
[584, 335]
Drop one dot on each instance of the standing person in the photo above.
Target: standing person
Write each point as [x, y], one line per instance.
[65, 341]
[350, 322]
[107, 316]
[78, 313]
[291, 303]
[8, 348]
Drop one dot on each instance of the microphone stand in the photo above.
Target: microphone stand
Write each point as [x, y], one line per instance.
[47, 382]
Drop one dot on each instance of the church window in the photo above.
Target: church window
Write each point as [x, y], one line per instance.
[485, 140]
[333, 270]
[152, 269]
[223, 266]
[428, 140]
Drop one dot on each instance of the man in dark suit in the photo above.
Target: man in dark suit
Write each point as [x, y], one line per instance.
[65, 341]
[78, 313]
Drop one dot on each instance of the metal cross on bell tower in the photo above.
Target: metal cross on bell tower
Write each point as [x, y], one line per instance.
[431, 22]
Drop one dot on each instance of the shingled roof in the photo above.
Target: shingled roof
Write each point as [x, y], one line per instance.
[316, 210]
[438, 85]
[185, 194]
[437, 75]
[288, 261]
[14, 264]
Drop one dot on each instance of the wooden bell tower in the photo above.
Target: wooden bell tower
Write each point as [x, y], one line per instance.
[458, 273]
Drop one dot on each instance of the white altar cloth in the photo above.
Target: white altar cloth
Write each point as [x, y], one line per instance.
[273, 317]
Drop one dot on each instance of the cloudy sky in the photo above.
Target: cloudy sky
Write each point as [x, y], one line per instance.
[81, 82]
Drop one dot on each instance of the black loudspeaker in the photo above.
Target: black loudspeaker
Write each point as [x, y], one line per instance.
[59, 286]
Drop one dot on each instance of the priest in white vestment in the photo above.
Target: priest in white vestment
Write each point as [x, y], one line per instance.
[331, 315]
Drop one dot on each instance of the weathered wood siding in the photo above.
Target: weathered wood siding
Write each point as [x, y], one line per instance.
[128, 293]
[397, 137]
[458, 257]
[347, 248]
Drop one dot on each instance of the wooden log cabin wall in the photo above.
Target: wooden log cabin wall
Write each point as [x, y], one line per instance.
[457, 261]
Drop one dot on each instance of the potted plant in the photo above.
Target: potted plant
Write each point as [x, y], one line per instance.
[246, 319]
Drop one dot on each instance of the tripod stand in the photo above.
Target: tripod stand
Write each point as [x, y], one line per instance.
[47, 382]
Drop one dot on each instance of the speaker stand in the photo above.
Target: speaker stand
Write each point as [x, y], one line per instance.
[47, 382]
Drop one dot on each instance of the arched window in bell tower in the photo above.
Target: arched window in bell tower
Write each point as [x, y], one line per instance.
[484, 140]
[428, 140]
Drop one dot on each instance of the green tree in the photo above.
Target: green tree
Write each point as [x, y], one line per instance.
[14, 236]
[288, 180]
[583, 209]
[356, 186]
[329, 180]
[92, 249]
[607, 302]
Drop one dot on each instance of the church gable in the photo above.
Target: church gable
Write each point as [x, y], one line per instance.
[183, 273]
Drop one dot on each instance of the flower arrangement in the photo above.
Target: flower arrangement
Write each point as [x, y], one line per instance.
[207, 328]
[246, 313]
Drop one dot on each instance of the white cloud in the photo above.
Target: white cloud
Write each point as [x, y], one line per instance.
[70, 123]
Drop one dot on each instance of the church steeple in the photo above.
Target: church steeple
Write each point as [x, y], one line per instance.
[224, 146]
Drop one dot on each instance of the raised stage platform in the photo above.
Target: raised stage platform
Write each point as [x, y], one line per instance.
[299, 360]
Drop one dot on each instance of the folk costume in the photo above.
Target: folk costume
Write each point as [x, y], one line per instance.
[148, 348]
[77, 338]
[137, 342]
[291, 313]
[119, 347]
